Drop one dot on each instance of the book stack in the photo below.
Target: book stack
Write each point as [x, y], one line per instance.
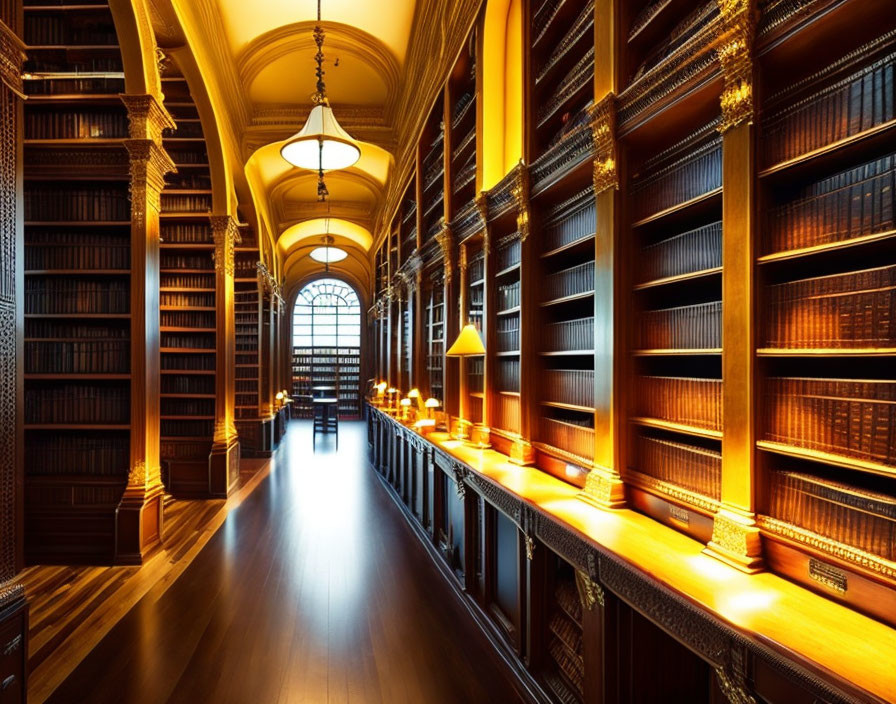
[839, 311]
[48, 249]
[850, 417]
[689, 466]
[575, 281]
[856, 517]
[508, 333]
[575, 436]
[688, 401]
[77, 403]
[686, 253]
[46, 296]
[570, 221]
[508, 374]
[61, 202]
[574, 387]
[508, 296]
[686, 327]
[569, 336]
[507, 413]
[193, 203]
[93, 124]
[508, 254]
[63, 453]
[77, 357]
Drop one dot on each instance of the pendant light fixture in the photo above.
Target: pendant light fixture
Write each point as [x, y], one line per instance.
[321, 145]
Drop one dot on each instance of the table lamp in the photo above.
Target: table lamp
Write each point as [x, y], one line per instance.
[468, 344]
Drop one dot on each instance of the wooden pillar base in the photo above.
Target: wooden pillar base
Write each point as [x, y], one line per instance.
[139, 523]
[522, 453]
[223, 468]
[603, 489]
[736, 541]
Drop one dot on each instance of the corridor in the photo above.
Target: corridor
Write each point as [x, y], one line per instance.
[313, 590]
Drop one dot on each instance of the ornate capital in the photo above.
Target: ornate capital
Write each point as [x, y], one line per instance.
[603, 131]
[735, 51]
[148, 163]
[482, 207]
[12, 56]
[520, 193]
[141, 477]
[267, 283]
[736, 541]
[445, 240]
[226, 234]
[148, 117]
[603, 488]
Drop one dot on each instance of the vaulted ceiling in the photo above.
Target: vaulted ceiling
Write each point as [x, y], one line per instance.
[256, 61]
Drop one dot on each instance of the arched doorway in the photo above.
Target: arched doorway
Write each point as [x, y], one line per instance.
[326, 345]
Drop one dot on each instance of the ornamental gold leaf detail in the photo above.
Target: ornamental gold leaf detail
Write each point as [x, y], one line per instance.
[735, 52]
[603, 132]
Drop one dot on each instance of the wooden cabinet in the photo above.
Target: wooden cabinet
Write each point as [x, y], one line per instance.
[13, 652]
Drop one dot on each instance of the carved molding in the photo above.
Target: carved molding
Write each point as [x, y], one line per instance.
[445, 241]
[147, 117]
[603, 132]
[732, 675]
[226, 234]
[735, 540]
[149, 164]
[590, 592]
[520, 192]
[12, 56]
[735, 52]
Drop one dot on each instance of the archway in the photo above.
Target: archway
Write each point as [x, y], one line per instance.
[326, 346]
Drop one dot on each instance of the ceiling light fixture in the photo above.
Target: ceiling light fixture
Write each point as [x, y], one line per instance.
[328, 254]
[321, 145]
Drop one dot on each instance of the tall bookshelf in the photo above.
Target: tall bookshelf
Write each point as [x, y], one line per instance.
[187, 300]
[77, 285]
[432, 174]
[247, 310]
[434, 302]
[336, 367]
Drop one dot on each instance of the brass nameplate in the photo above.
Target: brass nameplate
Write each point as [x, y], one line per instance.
[828, 575]
[679, 514]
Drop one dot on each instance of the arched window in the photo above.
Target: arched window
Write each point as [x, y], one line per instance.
[327, 314]
[326, 330]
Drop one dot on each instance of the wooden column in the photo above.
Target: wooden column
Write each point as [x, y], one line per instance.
[522, 452]
[603, 486]
[265, 358]
[419, 375]
[735, 537]
[489, 334]
[139, 517]
[224, 461]
[452, 317]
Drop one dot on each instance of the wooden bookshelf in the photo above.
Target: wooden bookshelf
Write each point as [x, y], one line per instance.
[248, 302]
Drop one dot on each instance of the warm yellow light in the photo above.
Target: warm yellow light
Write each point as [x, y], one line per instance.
[393, 390]
[321, 144]
[405, 402]
[414, 393]
[279, 396]
[381, 387]
[467, 344]
[433, 403]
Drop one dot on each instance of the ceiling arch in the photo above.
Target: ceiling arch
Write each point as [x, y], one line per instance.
[319, 227]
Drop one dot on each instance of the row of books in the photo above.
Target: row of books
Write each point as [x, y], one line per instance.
[80, 62]
[508, 333]
[36, 328]
[688, 401]
[689, 466]
[73, 250]
[172, 449]
[184, 180]
[195, 300]
[572, 666]
[188, 407]
[78, 403]
[578, 77]
[188, 429]
[186, 203]
[686, 253]
[569, 335]
[188, 319]
[243, 345]
[180, 340]
[508, 255]
[508, 296]
[95, 357]
[187, 155]
[185, 129]
[844, 107]
[57, 453]
[247, 386]
[85, 124]
[576, 280]
[187, 280]
[862, 519]
[686, 30]
[246, 269]
[477, 270]
[60, 203]
[570, 386]
[183, 384]
[46, 29]
[696, 326]
[850, 417]
[684, 172]
[573, 32]
[192, 362]
[571, 226]
[506, 413]
[187, 261]
[76, 296]
[565, 435]
[849, 204]
[562, 626]
[63, 86]
[856, 309]
[508, 374]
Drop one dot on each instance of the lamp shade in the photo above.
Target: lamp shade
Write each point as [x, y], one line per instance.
[432, 403]
[321, 144]
[467, 344]
[328, 255]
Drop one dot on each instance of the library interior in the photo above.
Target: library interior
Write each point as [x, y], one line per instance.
[448, 351]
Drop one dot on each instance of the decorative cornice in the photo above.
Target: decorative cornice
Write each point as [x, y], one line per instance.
[226, 234]
[521, 200]
[12, 56]
[446, 243]
[147, 117]
[735, 52]
[603, 131]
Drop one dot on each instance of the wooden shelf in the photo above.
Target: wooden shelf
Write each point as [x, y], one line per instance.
[78, 376]
[74, 426]
[567, 353]
[509, 311]
[568, 299]
[508, 353]
[828, 458]
[680, 278]
[77, 272]
[678, 427]
[826, 352]
[509, 270]
[79, 316]
[827, 248]
[571, 246]
[567, 406]
[678, 352]
[691, 208]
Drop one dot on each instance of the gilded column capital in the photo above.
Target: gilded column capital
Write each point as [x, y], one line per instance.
[520, 193]
[226, 235]
[735, 52]
[482, 207]
[12, 56]
[603, 132]
[148, 118]
[149, 164]
[445, 238]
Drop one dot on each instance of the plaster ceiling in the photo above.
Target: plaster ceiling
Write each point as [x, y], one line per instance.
[272, 54]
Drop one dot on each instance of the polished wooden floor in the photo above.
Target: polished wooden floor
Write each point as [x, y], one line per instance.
[313, 590]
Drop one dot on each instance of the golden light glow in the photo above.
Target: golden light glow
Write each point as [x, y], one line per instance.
[433, 403]
[321, 143]
[467, 344]
[313, 229]
[414, 393]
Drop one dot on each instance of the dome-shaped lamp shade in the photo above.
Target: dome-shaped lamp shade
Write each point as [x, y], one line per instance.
[467, 344]
[328, 255]
[303, 148]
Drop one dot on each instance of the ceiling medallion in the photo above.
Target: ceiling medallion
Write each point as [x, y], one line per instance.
[321, 145]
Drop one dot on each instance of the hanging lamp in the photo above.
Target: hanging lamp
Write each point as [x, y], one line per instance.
[321, 145]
